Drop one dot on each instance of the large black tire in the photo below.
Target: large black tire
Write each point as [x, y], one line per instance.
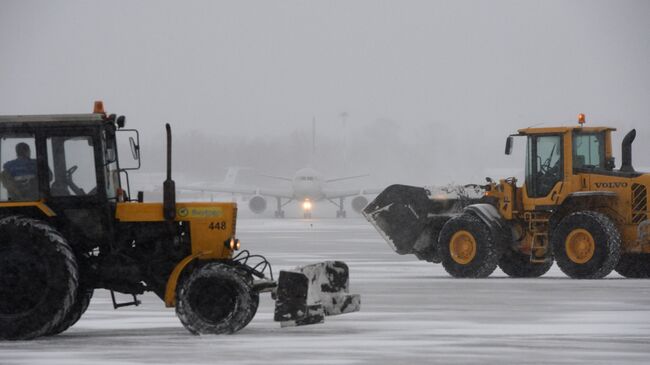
[79, 307]
[215, 299]
[38, 278]
[606, 252]
[484, 258]
[635, 266]
[517, 265]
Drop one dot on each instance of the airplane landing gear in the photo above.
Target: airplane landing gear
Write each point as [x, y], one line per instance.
[279, 213]
[341, 212]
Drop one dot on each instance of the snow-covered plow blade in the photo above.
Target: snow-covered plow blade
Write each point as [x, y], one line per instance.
[307, 294]
[410, 218]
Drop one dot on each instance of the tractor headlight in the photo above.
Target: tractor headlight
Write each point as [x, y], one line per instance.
[306, 205]
[232, 244]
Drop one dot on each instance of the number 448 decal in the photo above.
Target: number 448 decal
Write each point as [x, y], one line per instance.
[217, 225]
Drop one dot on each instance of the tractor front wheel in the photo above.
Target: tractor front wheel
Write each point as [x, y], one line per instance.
[215, 299]
[467, 248]
[586, 245]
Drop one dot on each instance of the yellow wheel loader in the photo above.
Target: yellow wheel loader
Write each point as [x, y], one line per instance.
[574, 207]
[68, 226]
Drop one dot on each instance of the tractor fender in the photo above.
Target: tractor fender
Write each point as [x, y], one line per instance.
[490, 216]
[172, 281]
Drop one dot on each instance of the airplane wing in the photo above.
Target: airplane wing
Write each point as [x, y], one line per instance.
[334, 194]
[346, 178]
[212, 188]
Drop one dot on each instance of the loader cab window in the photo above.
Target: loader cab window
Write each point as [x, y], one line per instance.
[588, 150]
[544, 164]
[72, 161]
[19, 173]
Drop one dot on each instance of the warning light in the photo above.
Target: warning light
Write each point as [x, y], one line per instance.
[99, 107]
[232, 244]
[306, 205]
[581, 119]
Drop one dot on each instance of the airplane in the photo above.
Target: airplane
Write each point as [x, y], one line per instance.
[307, 186]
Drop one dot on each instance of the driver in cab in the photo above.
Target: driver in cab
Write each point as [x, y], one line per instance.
[19, 175]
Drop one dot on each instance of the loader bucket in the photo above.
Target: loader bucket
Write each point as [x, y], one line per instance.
[410, 218]
[307, 294]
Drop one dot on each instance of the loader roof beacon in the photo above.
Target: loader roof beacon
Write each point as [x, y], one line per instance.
[68, 226]
[574, 208]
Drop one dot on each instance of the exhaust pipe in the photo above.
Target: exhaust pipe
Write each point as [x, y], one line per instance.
[169, 187]
[626, 146]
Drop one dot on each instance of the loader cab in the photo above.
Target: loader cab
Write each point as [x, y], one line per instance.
[63, 168]
[555, 155]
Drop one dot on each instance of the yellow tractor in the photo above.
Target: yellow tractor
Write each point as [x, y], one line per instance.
[68, 226]
[573, 208]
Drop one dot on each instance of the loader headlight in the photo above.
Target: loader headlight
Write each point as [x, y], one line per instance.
[306, 205]
[232, 244]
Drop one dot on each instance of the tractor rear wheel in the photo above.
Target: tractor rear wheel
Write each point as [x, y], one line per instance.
[467, 248]
[81, 303]
[634, 266]
[586, 245]
[215, 299]
[517, 265]
[38, 278]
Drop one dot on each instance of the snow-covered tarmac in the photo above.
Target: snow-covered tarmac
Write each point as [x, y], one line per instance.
[412, 313]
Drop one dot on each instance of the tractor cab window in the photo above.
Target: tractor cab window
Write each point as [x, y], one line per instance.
[19, 174]
[543, 164]
[588, 150]
[72, 161]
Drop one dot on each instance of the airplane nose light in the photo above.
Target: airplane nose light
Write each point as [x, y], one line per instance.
[306, 205]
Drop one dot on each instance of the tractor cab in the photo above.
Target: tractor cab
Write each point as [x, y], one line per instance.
[64, 168]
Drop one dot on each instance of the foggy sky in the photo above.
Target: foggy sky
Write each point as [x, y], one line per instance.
[448, 80]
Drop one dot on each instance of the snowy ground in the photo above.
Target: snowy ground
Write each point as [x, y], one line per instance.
[412, 312]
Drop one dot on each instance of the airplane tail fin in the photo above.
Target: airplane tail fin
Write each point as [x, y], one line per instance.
[232, 174]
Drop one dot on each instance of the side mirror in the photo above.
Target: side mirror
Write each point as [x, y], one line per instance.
[121, 121]
[135, 149]
[128, 139]
[509, 145]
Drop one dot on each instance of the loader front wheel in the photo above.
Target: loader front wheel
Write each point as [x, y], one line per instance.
[586, 245]
[518, 265]
[38, 278]
[635, 266]
[215, 299]
[467, 248]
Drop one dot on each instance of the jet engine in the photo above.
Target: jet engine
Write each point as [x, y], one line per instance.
[257, 204]
[359, 202]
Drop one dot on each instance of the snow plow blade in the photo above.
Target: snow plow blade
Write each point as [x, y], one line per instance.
[307, 294]
[410, 218]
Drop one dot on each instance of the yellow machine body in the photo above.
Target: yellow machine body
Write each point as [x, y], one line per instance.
[212, 226]
[622, 197]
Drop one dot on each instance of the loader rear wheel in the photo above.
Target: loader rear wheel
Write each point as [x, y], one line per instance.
[215, 299]
[467, 248]
[517, 265]
[635, 266]
[586, 245]
[38, 278]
